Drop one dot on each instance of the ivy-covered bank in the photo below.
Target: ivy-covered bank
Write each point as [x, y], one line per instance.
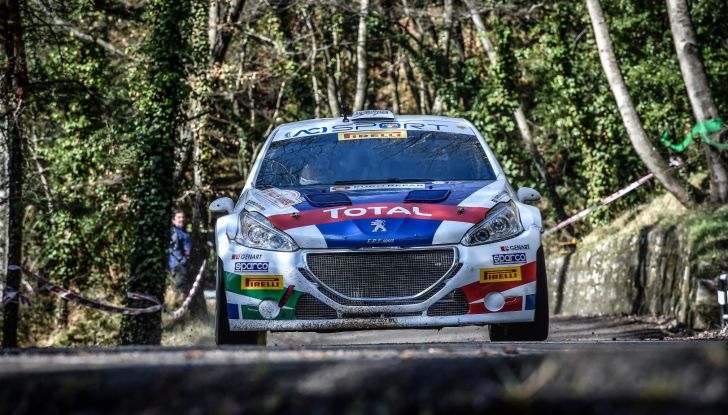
[657, 259]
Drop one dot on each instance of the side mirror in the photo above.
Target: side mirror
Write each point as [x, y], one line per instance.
[223, 204]
[526, 194]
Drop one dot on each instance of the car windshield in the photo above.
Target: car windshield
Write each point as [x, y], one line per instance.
[374, 157]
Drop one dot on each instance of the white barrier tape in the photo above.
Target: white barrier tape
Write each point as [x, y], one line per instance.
[71, 296]
[176, 314]
[607, 200]
[78, 299]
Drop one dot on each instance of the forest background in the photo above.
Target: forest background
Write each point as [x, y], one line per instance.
[120, 110]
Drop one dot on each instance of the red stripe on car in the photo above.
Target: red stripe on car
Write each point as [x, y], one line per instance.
[379, 210]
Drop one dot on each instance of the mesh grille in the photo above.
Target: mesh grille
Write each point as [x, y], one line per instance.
[310, 308]
[453, 304]
[381, 274]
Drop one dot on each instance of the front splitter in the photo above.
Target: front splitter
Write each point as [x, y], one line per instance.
[382, 323]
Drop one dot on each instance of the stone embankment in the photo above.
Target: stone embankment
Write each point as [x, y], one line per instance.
[657, 259]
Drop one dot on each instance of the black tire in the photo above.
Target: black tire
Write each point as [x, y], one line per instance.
[538, 330]
[223, 335]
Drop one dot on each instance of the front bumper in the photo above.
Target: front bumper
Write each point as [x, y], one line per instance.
[262, 289]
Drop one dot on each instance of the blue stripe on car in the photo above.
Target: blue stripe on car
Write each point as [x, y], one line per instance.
[356, 233]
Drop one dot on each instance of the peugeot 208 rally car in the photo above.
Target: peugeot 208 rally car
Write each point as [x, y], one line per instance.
[377, 221]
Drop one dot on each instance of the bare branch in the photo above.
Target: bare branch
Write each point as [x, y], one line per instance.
[79, 34]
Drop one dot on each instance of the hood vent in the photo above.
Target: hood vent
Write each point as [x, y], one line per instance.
[427, 196]
[327, 199]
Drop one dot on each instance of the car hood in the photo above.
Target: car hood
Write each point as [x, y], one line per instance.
[378, 215]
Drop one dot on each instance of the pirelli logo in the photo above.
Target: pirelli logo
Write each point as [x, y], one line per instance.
[500, 274]
[362, 135]
[261, 282]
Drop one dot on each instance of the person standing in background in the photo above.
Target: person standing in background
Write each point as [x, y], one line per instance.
[180, 246]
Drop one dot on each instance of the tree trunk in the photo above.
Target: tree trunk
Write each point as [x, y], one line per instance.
[443, 66]
[332, 89]
[409, 73]
[314, 52]
[392, 76]
[520, 117]
[14, 95]
[223, 32]
[361, 56]
[161, 95]
[699, 92]
[637, 135]
[330, 68]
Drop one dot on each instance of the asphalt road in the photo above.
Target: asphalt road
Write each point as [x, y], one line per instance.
[593, 365]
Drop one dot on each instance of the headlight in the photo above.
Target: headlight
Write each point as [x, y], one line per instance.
[256, 231]
[501, 222]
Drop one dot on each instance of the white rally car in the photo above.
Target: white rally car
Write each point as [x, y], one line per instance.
[377, 221]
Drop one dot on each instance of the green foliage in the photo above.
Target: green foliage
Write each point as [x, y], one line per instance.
[161, 92]
[708, 242]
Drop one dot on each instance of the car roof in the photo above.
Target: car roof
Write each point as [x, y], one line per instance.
[331, 125]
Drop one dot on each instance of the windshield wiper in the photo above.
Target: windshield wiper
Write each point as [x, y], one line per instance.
[390, 180]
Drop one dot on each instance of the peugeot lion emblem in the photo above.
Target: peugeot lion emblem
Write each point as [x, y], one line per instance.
[378, 225]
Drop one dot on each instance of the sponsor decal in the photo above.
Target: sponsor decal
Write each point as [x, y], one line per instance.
[364, 126]
[247, 256]
[501, 197]
[251, 267]
[371, 114]
[512, 258]
[254, 204]
[506, 248]
[380, 241]
[363, 135]
[281, 198]
[488, 275]
[379, 226]
[422, 211]
[261, 282]
[371, 125]
[381, 186]
[354, 212]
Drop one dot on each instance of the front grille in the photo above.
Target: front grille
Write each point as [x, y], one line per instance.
[381, 275]
[453, 304]
[309, 307]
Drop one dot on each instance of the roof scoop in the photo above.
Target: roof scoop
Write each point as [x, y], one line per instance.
[369, 115]
[327, 199]
[427, 196]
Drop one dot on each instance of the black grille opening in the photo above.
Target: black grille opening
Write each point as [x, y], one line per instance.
[381, 274]
[309, 307]
[453, 304]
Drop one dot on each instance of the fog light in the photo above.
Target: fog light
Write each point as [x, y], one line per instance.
[494, 301]
[269, 309]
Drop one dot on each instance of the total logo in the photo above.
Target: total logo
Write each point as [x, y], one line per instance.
[251, 267]
[377, 210]
[506, 248]
[513, 258]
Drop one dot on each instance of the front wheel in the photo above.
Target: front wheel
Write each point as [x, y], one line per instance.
[223, 334]
[537, 330]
